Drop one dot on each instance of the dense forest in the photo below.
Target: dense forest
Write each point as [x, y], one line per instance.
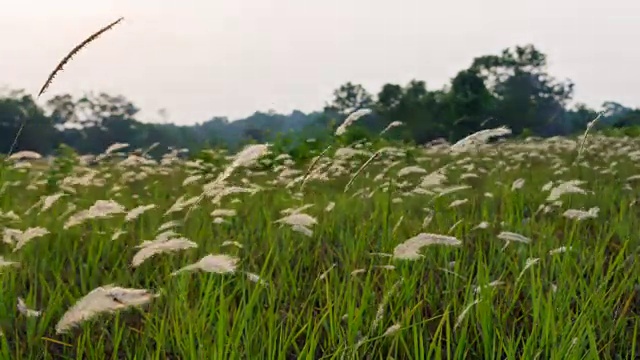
[512, 88]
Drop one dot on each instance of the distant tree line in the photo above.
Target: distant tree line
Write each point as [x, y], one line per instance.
[512, 89]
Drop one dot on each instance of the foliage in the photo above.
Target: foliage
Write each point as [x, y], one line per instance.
[510, 89]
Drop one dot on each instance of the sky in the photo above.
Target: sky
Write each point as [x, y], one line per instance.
[203, 58]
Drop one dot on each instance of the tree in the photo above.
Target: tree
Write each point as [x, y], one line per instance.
[38, 133]
[470, 103]
[389, 99]
[527, 96]
[349, 98]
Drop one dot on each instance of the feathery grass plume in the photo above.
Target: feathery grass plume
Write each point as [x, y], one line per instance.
[104, 299]
[154, 248]
[379, 315]
[256, 279]
[232, 243]
[191, 179]
[358, 271]
[366, 163]
[28, 235]
[162, 237]
[11, 236]
[25, 155]
[397, 225]
[99, 210]
[220, 264]
[455, 225]
[464, 312]
[117, 234]
[409, 250]
[4, 263]
[169, 224]
[181, 204]
[436, 178]
[115, 147]
[450, 190]
[456, 203]
[353, 117]
[584, 136]
[559, 250]
[298, 210]
[428, 218]
[136, 212]
[73, 52]
[246, 157]
[492, 284]
[581, 214]
[10, 215]
[302, 229]
[24, 310]
[567, 187]
[529, 263]
[391, 126]
[479, 137]
[48, 201]
[408, 170]
[330, 206]
[223, 212]
[299, 219]
[383, 304]
[326, 272]
[511, 236]
[311, 166]
[517, 184]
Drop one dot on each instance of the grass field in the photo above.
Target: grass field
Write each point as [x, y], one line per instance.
[419, 258]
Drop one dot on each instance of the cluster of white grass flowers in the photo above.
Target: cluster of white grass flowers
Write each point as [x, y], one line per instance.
[23, 309]
[299, 221]
[181, 204]
[137, 211]
[511, 236]
[246, 157]
[104, 299]
[410, 249]
[158, 246]
[220, 264]
[19, 238]
[48, 201]
[478, 138]
[5, 263]
[352, 118]
[581, 214]
[25, 155]
[244, 215]
[391, 125]
[100, 210]
[566, 187]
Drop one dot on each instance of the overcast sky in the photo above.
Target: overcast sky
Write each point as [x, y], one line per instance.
[205, 58]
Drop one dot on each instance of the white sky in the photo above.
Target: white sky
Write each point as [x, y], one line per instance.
[200, 59]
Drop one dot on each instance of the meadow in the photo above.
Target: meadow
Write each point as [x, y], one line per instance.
[510, 250]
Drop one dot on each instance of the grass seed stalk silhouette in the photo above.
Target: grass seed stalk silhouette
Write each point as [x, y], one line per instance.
[60, 67]
[73, 52]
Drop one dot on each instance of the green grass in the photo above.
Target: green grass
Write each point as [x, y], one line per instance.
[592, 314]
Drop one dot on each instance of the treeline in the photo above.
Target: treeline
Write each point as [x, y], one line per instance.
[512, 89]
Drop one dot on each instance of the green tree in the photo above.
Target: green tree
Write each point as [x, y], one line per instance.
[349, 97]
[527, 96]
[469, 102]
[38, 133]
